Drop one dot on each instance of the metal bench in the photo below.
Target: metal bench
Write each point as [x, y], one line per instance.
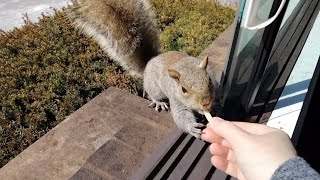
[180, 156]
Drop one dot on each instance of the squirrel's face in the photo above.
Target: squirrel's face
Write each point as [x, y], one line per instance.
[195, 91]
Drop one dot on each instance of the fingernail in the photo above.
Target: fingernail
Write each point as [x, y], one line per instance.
[203, 136]
[203, 131]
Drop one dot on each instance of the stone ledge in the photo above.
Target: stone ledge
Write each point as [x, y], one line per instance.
[63, 150]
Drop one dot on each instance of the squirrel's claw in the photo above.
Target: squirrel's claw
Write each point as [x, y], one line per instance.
[164, 106]
[152, 105]
[159, 106]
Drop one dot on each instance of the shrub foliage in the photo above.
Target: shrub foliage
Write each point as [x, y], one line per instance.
[191, 25]
[48, 69]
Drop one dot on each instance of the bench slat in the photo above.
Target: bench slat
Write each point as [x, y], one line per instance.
[187, 162]
[171, 163]
[219, 175]
[159, 155]
[203, 167]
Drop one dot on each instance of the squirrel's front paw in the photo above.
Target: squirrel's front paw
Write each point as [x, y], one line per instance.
[159, 106]
[194, 129]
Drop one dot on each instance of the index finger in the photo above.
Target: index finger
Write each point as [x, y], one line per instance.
[254, 128]
[208, 135]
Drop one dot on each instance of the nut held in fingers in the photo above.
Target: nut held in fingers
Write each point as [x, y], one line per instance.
[208, 115]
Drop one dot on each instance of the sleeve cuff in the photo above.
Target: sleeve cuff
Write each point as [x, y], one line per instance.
[295, 168]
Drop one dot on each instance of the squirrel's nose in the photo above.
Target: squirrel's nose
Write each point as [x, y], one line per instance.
[206, 103]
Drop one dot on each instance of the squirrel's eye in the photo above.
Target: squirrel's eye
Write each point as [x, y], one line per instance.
[183, 90]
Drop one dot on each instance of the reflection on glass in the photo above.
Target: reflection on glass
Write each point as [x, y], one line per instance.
[292, 4]
[243, 62]
[248, 42]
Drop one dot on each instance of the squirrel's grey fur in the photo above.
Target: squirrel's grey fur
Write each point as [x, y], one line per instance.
[127, 31]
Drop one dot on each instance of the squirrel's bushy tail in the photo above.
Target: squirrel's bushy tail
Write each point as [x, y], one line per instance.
[125, 29]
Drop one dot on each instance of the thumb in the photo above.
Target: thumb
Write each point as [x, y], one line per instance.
[228, 131]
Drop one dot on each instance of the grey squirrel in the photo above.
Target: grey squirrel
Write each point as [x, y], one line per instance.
[127, 31]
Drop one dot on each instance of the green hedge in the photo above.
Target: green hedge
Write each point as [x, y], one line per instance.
[48, 69]
[191, 25]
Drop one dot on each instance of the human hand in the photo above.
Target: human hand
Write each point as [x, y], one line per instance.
[247, 150]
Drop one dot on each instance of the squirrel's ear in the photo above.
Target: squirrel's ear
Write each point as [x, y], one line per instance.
[204, 63]
[174, 74]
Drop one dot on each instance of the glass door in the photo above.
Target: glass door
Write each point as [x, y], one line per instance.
[269, 37]
[257, 25]
[270, 42]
